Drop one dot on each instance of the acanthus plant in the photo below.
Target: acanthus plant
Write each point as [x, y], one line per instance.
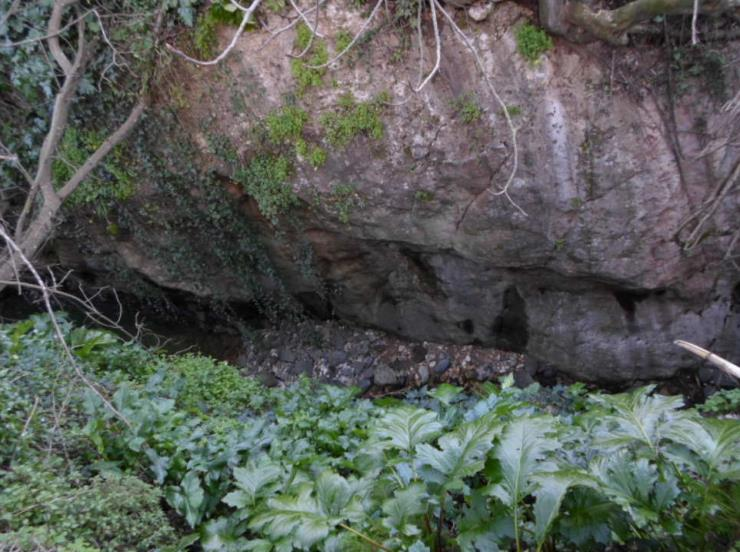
[313, 467]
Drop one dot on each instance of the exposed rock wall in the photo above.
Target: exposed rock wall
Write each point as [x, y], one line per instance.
[592, 280]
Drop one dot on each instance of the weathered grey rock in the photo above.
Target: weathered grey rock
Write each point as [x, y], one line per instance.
[592, 280]
[442, 366]
[386, 376]
[480, 11]
[423, 375]
[522, 379]
[303, 365]
[337, 357]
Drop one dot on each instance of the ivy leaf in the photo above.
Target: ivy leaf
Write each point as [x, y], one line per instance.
[405, 505]
[461, 453]
[404, 428]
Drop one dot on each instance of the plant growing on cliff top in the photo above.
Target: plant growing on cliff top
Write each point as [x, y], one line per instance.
[532, 42]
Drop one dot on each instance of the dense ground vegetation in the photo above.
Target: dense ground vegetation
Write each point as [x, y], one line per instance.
[202, 457]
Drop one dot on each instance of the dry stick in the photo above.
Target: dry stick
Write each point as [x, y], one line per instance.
[438, 43]
[313, 28]
[355, 39]
[247, 16]
[492, 89]
[274, 34]
[90, 311]
[362, 535]
[725, 365]
[57, 330]
[114, 59]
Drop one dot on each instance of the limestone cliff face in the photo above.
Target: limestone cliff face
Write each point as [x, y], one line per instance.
[593, 279]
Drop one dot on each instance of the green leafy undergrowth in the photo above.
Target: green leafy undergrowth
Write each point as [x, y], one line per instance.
[265, 179]
[726, 401]
[41, 508]
[315, 467]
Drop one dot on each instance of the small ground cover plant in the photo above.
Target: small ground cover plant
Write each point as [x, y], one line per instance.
[215, 461]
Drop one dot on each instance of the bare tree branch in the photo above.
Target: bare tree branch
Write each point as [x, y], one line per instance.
[54, 29]
[57, 330]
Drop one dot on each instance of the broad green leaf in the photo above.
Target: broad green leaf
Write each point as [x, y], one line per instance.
[220, 534]
[309, 517]
[251, 479]
[551, 489]
[591, 518]
[637, 416]
[636, 486]
[461, 453]
[715, 442]
[298, 517]
[446, 393]
[484, 527]
[522, 452]
[403, 507]
[187, 498]
[404, 428]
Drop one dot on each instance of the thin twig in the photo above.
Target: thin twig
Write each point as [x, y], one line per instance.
[354, 40]
[16, 250]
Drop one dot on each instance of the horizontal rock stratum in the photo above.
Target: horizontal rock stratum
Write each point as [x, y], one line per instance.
[592, 273]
